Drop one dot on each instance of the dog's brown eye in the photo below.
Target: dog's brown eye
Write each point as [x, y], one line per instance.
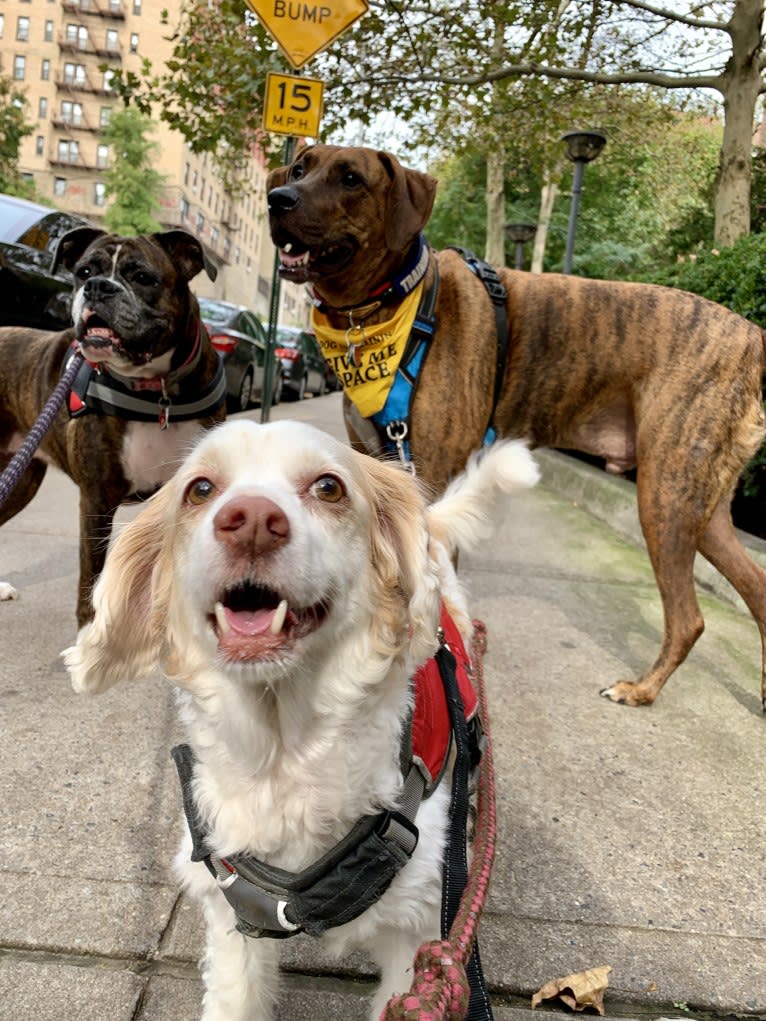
[297, 172]
[199, 491]
[329, 489]
[351, 179]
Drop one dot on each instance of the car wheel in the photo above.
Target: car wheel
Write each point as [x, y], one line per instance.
[322, 387]
[302, 388]
[276, 391]
[246, 391]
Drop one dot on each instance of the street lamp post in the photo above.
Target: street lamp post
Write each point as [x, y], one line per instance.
[582, 147]
[519, 234]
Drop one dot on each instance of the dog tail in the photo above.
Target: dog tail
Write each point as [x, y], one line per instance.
[473, 503]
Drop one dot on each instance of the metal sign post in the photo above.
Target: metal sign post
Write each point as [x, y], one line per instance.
[270, 368]
[293, 106]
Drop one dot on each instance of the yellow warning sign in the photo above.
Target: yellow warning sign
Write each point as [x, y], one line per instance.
[293, 105]
[304, 28]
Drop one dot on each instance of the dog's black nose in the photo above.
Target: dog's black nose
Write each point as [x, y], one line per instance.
[282, 200]
[100, 287]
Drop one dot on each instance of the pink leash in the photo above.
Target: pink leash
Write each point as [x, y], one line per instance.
[440, 989]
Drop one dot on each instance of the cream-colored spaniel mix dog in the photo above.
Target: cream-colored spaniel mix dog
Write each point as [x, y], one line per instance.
[289, 587]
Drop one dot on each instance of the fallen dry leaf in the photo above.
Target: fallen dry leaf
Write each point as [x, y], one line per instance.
[579, 991]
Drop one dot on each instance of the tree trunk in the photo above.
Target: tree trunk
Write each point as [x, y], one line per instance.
[494, 251]
[740, 87]
[547, 198]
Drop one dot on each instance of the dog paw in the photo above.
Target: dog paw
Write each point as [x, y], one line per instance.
[7, 591]
[626, 693]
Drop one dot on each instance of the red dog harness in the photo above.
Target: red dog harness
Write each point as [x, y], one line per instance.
[426, 743]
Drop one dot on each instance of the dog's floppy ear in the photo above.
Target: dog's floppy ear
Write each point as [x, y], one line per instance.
[124, 640]
[400, 557]
[71, 246]
[410, 202]
[187, 252]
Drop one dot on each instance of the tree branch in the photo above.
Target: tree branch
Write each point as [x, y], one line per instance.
[666, 81]
[683, 19]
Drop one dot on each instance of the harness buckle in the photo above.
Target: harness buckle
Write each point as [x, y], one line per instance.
[397, 433]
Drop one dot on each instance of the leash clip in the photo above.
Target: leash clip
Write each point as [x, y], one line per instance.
[397, 433]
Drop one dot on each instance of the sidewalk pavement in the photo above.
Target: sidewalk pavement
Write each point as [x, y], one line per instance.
[628, 837]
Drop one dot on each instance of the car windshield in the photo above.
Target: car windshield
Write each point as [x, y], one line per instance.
[216, 311]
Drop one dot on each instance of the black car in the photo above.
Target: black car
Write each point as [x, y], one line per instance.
[239, 336]
[303, 366]
[30, 295]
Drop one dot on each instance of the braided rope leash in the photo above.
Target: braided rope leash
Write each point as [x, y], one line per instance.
[21, 459]
[440, 989]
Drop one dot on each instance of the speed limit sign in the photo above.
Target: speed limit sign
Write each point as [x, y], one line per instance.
[293, 105]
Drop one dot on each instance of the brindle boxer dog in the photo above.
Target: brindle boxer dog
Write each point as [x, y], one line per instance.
[138, 323]
[634, 373]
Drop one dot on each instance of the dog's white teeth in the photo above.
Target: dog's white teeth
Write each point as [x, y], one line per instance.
[287, 248]
[220, 615]
[278, 620]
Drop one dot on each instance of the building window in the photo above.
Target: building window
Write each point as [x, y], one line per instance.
[74, 74]
[112, 40]
[104, 116]
[59, 186]
[68, 151]
[77, 35]
[39, 145]
[115, 6]
[42, 108]
[184, 210]
[22, 30]
[48, 32]
[136, 6]
[45, 71]
[19, 68]
[213, 235]
[102, 156]
[99, 193]
[199, 223]
[134, 42]
[2, 25]
[106, 81]
[71, 112]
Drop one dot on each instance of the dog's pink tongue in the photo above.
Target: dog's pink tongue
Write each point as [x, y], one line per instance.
[249, 622]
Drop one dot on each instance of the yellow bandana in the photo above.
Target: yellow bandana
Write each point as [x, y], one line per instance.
[365, 358]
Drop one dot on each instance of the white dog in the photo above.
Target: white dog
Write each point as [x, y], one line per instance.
[289, 587]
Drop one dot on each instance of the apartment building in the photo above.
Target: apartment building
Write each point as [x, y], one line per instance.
[53, 49]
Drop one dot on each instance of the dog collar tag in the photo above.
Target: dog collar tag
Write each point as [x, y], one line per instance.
[164, 416]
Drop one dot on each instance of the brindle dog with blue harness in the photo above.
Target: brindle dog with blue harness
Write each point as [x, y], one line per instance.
[640, 375]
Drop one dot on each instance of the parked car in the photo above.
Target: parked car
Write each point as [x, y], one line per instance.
[241, 339]
[304, 369]
[30, 295]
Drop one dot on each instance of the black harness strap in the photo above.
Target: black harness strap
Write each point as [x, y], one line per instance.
[498, 295]
[455, 856]
[102, 393]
